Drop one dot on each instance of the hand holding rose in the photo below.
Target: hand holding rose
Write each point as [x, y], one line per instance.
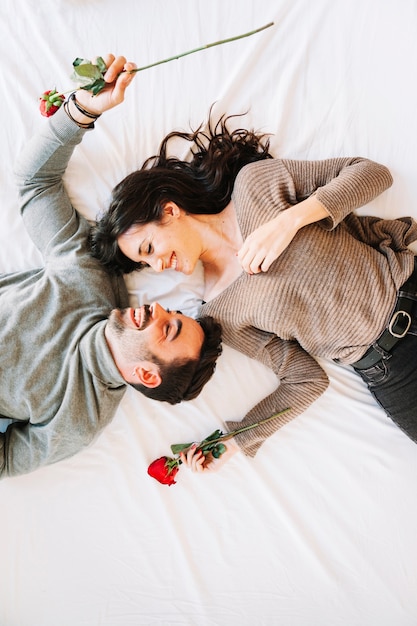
[117, 77]
[199, 462]
[208, 455]
[98, 76]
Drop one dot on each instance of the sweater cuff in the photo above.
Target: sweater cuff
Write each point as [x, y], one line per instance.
[63, 127]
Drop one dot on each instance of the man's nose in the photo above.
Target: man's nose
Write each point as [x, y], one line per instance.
[157, 311]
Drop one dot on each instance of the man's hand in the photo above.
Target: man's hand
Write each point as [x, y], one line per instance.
[118, 77]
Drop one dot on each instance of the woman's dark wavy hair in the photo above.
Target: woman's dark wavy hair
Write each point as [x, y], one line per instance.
[183, 380]
[202, 185]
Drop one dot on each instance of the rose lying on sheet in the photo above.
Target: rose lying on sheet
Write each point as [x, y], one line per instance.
[166, 468]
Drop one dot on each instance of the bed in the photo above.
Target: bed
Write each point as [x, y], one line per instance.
[319, 529]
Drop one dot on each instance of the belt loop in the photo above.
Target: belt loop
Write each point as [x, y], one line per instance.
[384, 353]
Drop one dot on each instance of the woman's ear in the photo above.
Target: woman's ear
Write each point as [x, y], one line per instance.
[171, 209]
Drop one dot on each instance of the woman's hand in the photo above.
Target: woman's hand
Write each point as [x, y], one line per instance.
[197, 462]
[268, 242]
[117, 77]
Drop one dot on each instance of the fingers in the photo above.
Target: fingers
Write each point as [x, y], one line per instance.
[114, 66]
[193, 460]
[253, 262]
[117, 67]
[120, 73]
[107, 58]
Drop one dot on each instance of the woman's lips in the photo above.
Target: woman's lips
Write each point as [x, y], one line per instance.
[173, 262]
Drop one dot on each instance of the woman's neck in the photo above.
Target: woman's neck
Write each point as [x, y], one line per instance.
[223, 240]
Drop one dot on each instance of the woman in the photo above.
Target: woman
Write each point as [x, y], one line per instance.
[290, 272]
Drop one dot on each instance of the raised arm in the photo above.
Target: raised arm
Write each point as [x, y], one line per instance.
[46, 209]
[63, 424]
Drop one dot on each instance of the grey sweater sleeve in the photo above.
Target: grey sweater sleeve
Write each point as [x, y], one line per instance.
[67, 411]
[25, 447]
[46, 209]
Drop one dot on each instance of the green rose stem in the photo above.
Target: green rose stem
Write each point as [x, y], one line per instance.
[185, 447]
[166, 468]
[90, 76]
[232, 433]
[209, 45]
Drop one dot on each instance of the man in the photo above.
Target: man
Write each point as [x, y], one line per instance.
[69, 342]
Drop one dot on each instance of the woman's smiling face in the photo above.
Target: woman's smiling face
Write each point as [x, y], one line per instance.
[168, 244]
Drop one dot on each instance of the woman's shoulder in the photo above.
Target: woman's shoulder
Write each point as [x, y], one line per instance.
[254, 171]
[271, 177]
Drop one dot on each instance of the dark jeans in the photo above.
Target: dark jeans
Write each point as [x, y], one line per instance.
[393, 381]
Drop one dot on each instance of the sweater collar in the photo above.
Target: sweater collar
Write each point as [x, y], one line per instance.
[97, 357]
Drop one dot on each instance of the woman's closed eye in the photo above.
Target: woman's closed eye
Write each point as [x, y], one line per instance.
[145, 249]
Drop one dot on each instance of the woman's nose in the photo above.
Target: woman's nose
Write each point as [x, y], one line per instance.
[157, 265]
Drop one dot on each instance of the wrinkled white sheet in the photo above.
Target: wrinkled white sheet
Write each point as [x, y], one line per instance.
[320, 528]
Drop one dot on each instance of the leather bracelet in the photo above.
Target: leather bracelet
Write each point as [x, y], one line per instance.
[80, 124]
[93, 116]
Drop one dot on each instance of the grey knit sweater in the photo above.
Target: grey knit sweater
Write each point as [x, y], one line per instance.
[331, 292]
[57, 376]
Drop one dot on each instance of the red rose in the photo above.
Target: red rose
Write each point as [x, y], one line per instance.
[50, 101]
[164, 470]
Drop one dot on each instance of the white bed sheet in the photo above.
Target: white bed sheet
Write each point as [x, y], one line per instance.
[320, 528]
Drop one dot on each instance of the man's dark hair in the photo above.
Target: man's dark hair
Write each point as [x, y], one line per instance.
[184, 380]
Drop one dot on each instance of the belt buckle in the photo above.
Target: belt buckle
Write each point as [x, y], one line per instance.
[394, 320]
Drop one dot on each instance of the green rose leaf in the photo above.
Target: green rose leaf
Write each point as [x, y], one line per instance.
[101, 65]
[176, 448]
[89, 76]
[218, 450]
[215, 435]
[96, 87]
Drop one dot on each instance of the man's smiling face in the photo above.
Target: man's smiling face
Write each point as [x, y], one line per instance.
[136, 335]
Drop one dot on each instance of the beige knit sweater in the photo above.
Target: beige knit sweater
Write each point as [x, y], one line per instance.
[331, 292]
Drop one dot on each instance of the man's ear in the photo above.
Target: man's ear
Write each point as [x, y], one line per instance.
[147, 374]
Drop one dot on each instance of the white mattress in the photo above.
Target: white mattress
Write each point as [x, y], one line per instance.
[320, 529]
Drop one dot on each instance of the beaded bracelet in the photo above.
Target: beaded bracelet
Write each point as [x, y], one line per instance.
[93, 116]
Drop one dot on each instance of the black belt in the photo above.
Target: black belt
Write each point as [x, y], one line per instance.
[398, 325]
